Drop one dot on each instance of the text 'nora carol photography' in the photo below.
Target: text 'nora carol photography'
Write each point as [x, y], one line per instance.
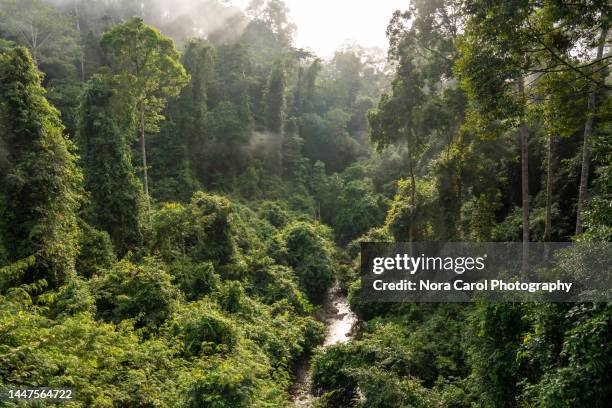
[485, 285]
[465, 272]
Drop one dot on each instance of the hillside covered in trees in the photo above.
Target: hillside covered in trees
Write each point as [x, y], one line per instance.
[180, 185]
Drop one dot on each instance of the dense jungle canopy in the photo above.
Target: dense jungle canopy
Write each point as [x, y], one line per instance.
[179, 186]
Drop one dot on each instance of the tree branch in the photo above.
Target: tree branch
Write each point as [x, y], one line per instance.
[561, 59]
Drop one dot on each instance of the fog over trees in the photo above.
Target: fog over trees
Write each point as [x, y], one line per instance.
[181, 186]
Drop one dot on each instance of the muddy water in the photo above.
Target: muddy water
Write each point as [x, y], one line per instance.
[339, 322]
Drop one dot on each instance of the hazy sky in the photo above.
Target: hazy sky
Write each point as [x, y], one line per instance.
[323, 25]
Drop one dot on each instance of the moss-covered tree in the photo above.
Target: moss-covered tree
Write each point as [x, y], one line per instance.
[40, 188]
[147, 66]
[275, 98]
[116, 197]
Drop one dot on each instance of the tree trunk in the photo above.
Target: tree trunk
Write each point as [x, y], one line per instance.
[586, 148]
[298, 93]
[143, 150]
[524, 134]
[78, 30]
[549, 188]
[412, 199]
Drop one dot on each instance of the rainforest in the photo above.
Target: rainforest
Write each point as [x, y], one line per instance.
[185, 185]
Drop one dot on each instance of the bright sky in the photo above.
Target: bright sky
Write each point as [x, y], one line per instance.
[323, 25]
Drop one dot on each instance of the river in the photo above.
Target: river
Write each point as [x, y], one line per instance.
[339, 322]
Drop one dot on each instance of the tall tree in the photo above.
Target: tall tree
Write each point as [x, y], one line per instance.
[93, 56]
[310, 82]
[392, 122]
[586, 145]
[559, 108]
[275, 98]
[147, 67]
[550, 168]
[41, 187]
[524, 145]
[180, 150]
[493, 69]
[116, 198]
[49, 34]
[518, 41]
[347, 71]
[422, 44]
[275, 15]
[190, 109]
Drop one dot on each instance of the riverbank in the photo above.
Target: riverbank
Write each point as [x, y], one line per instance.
[339, 322]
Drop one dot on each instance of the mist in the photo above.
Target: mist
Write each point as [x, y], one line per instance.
[180, 20]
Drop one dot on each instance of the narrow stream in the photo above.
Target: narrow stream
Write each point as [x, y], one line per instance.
[339, 321]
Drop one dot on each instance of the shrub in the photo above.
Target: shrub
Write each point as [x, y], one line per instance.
[203, 329]
[96, 253]
[200, 230]
[307, 248]
[194, 279]
[141, 291]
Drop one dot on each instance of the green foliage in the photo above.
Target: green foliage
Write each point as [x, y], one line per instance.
[70, 299]
[407, 218]
[97, 252]
[199, 62]
[308, 250]
[203, 329]
[348, 202]
[390, 122]
[172, 175]
[201, 230]
[65, 95]
[107, 363]
[50, 35]
[278, 284]
[275, 99]
[274, 14]
[210, 304]
[358, 209]
[116, 199]
[146, 65]
[230, 385]
[143, 292]
[194, 279]
[482, 218]
[385, 364]
[41, 187]
[328, 374]
[225, 123]
[329, 131]
[347, 67]
[598, 215]
[274, 213]
[12, 274]
[381, 390]
[490, 65]
[234, 346]
[579, 336]
[189, 113]
[495, 337]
